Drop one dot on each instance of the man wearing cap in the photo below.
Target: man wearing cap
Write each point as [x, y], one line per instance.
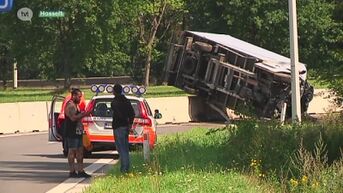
[123, 115]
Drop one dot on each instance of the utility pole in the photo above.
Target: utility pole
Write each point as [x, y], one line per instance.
[296, 113]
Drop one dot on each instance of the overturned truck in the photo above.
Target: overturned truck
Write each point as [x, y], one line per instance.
[224, 72]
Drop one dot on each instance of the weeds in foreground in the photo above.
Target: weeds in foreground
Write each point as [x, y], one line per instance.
[312, 171]
[253, 156]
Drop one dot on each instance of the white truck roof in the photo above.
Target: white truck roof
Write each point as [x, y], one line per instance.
[270, 61]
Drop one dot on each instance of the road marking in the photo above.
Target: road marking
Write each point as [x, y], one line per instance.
[72, 182]
[53, 142]
[23, 134]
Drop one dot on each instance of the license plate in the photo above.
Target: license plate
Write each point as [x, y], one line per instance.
[108, 125]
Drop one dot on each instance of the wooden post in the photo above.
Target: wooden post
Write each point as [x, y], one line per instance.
[283, 113]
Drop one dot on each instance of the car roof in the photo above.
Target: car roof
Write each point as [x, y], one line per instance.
[110, 96]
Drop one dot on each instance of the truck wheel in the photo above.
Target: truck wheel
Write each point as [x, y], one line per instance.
[189, 65]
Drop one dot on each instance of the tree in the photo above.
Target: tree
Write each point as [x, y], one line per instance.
[334, 73]
[150, 20]
[5, 64]
[265, 23]
[92, 39]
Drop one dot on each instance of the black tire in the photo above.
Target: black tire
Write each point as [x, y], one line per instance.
[189, 65]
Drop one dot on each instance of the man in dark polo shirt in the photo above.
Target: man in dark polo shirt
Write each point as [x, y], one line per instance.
[123, 115]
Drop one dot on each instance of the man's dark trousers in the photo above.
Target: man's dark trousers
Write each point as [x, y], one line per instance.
[122, 144]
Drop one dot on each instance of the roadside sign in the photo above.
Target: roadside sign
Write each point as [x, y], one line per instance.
[5, 5]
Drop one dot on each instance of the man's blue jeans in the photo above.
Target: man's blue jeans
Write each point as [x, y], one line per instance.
[121, 135]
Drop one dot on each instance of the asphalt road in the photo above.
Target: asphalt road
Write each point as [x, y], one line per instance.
[30, 164]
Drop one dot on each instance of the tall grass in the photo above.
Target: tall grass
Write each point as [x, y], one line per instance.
[190, 162]
[251, 156]
[279, 154]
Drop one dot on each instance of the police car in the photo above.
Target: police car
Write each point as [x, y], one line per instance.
[98, 125]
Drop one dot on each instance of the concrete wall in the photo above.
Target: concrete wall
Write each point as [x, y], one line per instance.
[23, 117]
[173, 109]
[30, 116]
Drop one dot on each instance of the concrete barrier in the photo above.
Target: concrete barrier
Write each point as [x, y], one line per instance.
[23, 117]
[173, 109]
[323, 102]
[31, 116]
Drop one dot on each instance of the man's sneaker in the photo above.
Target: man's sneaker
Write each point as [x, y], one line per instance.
[73, 175]
[83, 174]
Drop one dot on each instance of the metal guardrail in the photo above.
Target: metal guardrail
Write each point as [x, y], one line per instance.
[80, 82]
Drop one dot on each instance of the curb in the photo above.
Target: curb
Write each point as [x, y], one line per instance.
[78, 185]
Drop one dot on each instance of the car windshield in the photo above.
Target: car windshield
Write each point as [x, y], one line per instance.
[102, 108]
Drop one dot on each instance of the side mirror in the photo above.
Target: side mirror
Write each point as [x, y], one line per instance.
[157, 114]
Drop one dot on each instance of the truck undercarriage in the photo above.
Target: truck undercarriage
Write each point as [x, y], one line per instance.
[226, 72]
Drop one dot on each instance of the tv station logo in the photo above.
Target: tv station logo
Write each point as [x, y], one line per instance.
[25, 14]
[6, 5]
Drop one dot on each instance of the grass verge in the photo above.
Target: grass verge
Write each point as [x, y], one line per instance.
[189, 162]
[38, 94]
[317, 84]
[252, 156]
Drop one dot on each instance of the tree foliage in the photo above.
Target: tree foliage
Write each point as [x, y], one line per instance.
[91, 40]
[5, 63]
[108, 38]
[265, 23]
[154, 19]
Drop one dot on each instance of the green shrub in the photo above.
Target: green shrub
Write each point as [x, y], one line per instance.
[289, 153]
[250, 156]
[189, 162]
[312, 173]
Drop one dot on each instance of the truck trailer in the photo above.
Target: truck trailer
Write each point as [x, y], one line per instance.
[224, 72]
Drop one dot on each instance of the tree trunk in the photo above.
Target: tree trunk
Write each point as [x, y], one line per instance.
[63, 30]
[67, 78]
[147, 66]
[66, 71]
[67, 82]
[4, 83]
[150, 44]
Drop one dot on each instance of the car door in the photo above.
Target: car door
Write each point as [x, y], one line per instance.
[53, 116]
